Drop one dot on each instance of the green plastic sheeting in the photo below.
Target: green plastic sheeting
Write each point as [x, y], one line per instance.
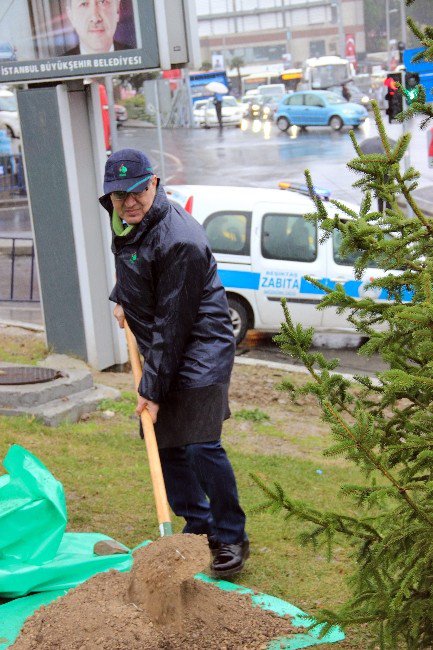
[32, 509]
[14, 614]
[74, 563]
[36, 555]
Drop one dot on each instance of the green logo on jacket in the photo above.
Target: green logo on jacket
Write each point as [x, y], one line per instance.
[133, 258]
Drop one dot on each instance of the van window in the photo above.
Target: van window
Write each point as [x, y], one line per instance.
[350, 258]
[289, 237]
[229, 232]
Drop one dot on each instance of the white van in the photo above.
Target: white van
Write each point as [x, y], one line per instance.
[273, 90]
[264, 249]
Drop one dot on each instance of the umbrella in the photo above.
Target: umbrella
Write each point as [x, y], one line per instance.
[217, 87]
[374, 145]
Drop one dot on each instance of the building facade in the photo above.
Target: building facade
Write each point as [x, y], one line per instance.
[278, 32]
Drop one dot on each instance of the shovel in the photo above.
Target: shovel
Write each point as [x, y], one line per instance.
[159, 493]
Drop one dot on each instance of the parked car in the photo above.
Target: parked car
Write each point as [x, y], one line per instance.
[198, 111]
[265, 247]
[244, 103]
[260, 108]
[318, 108]
[9, 119]
[231, 112]
[357, 96]
[121, 114]
[7, 52]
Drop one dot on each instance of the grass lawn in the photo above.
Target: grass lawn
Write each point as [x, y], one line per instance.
[102, 464]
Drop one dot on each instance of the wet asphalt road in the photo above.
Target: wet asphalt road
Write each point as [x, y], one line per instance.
[253, 159]
[260, 346]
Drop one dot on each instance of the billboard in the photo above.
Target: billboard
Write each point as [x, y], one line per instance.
[43, 40]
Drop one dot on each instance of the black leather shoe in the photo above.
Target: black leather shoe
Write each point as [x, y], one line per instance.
[230, 559]
[214, 544]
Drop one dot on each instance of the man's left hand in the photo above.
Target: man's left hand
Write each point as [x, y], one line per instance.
[152, 407]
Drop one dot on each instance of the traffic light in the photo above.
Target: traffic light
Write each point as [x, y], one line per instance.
[411, 90]
[393, 96]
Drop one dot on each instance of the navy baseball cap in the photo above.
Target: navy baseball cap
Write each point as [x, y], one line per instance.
[127, 170]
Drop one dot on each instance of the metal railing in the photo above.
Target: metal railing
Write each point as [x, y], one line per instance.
[18, 274]
[12, 173]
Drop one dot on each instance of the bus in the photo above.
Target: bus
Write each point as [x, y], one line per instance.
[199, 80]
[290, 78]
[322, 72]
[253, 81]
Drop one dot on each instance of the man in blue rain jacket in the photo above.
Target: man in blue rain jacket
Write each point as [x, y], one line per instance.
[169, 291]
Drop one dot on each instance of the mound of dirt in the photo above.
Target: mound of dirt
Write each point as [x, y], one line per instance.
[159, 605]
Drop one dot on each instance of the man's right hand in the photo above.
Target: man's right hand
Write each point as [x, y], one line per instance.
[119, 315]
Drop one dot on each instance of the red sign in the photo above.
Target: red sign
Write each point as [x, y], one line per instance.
[350, 50]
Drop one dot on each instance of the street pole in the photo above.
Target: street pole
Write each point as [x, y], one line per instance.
[112, 113]
[159, 131]
[388, 35]
[288, 44]
[403, 21]
[341, 35]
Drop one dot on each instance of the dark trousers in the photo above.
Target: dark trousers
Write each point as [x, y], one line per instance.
[219, 112]
[201, 487]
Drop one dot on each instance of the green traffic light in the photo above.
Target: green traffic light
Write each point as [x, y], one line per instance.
[411, 94]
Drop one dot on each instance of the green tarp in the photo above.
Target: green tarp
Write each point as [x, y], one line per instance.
[36, 555]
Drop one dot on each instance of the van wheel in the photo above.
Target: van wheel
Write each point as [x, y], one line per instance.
[239, 318]
[283, 123]
[336, 123]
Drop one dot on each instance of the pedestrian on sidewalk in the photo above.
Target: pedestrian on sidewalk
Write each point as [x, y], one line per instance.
[169, 291]
[218, 103]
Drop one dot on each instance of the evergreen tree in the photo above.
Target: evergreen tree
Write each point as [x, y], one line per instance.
[382, 424]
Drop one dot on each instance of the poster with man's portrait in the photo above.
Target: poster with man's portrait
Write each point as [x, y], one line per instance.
[48, 39]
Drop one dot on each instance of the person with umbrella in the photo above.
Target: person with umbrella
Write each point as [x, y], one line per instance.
[218, 103]
[218, 89]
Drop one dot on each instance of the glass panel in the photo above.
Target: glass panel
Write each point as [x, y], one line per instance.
[289, 237]
[295, 100]
[313, 100]
[229, 232]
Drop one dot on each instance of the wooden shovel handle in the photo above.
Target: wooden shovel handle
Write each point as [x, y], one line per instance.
[156, 475]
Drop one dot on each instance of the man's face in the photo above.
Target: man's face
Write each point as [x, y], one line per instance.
[134, 207]
[95, 22]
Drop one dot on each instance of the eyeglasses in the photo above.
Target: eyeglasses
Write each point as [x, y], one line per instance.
[122, 196]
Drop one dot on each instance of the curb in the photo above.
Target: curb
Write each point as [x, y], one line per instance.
[14, 203]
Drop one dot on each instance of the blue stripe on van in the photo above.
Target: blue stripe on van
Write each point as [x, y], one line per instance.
[307, 287]
[239, 279]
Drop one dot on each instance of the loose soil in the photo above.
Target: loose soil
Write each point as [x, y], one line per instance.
[158, 605]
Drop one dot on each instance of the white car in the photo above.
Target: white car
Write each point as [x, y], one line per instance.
[9, 114]
[198, 111]
[264, 249]
[231, 112]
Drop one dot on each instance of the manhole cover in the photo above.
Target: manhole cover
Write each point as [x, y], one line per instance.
[27, 375]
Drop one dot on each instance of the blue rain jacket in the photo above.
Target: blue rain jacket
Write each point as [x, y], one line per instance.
[174, 302]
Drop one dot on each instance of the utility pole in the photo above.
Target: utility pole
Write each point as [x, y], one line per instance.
[287, 35]
[403, 21]
[341, 34]
[388, 35]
